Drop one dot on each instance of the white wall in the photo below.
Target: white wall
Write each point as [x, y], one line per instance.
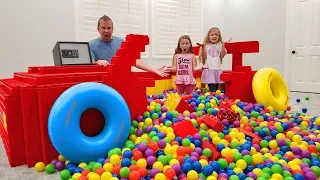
[246, 20]
[30, 29]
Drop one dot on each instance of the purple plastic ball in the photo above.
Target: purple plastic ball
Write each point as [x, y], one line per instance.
[225, 122]
[177, 168]
[139, 132]
[197, 136]
[142, 147]
[193, 115]
[198, 150]
[306, 154]
[223, 175]
[257, 147]
[310, 176]
[193, 104]
[162, 143]
[282, 142]
[59, 166]
[182, 175]
[148, 129]
[252, 175]
[296, 150]
[148, 152]
[139, 118]
[151, 160]
[236, 124]
[54, 161]
[154, 172]
[245, 152]
[194, 154]
[193, 158]
[164, 109]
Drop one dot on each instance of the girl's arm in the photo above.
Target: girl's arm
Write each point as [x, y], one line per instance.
[223, 51]
[203, 53]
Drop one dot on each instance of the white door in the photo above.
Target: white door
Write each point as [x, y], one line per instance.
[304, 42]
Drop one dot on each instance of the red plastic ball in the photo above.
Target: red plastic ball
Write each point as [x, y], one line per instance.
[136, 155]
[153, 146]
[100, 171]
[85, 172]
[133, 167]
[170, 173]
[83, 178]
[116, 169]
[134, 175]
[143, 172]
[313, 148]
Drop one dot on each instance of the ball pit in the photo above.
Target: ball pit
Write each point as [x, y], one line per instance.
[289, 149]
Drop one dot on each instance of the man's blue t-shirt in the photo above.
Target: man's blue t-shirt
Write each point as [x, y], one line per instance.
[101, 50]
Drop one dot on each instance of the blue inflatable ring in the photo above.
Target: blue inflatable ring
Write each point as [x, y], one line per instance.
[64, 122]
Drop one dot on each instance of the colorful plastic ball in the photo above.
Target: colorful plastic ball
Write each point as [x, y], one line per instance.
[50, 168]
[192, 175]
[39, 167]
[65, 174]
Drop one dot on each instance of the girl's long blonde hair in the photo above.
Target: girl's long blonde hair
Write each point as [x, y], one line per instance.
[207, 41]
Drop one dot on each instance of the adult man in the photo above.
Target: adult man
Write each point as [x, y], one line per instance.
[103, 48]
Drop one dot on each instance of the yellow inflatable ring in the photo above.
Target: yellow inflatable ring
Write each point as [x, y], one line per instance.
[270, 89]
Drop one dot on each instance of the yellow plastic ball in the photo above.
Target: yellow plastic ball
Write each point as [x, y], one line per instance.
[277, 176]
[157, 165]
[153, 103]
[201, 106]
[234, 107]
[257, 158]
[233, 134]
[216, 140]
[173, 161]
[141, 163]
[108, 167]
[257, 171]
[171, 136]
[270, 108]
[132, 137]
[244, 120]
[273, 144]
[82, 165]
[213, 134]
[242, 164]
[76, 176]
[237, 170]
[297, 139]
[280, 136]
[241, 136]
[61, 158]
[94, 176]
[213, 102]
[204, 126]
[203, 162]
[148, 121]
[211, 177]
[192, 175]
[39, 167]
[160, 176]
[66, 162]
[186, 113]
[106, 176]
[218, 92]
[317, 122]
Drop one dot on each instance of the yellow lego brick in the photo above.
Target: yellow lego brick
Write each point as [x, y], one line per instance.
[172, 101]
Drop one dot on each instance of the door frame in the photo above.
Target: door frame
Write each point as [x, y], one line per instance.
[288, 46]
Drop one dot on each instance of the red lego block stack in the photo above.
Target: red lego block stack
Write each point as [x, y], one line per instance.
[27, 98]
[238, 82]
[226, 113]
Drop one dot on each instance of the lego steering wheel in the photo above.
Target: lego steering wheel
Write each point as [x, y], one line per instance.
[64, 122]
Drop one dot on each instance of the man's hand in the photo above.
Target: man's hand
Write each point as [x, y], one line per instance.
[102, 63]
[162, 71]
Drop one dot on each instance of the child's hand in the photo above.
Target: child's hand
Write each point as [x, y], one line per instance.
[200, 44]
[204, 67]
[228, 40]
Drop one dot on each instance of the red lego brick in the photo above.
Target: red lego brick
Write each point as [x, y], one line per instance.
[213, 122]
[184, 128]
[215, 154]
[226, 113]
[183, 106]
[251, 134]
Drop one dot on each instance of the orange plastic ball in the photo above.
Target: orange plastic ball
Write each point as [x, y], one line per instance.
[100, 171]
[116, 169]
[133, 167]
[143, 172]
[85, 172]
